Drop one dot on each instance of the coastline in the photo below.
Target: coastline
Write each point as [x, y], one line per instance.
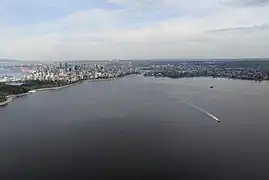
[177, 77]
[54, 88]
[72, 84]
[10, 98]
[5, 102]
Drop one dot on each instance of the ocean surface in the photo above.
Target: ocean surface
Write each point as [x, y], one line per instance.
[139, 128]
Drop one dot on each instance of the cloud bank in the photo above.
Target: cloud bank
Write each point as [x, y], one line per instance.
[134, 29]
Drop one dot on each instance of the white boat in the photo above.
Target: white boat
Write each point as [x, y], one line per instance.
[32, 91]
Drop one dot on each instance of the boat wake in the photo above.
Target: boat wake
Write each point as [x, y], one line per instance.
[203, 111]
[186, 101]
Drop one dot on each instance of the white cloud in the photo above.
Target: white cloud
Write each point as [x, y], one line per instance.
[106, 34]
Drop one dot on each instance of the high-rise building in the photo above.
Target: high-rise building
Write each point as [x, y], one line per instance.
[65, 67]
[76, 68]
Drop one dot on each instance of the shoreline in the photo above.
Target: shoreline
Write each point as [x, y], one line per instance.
[54, 88]
[230, 78]
[10, 98]
[72, 84]
[5, 102]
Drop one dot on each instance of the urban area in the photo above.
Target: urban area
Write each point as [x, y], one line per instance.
[53, 76]
[18, 78]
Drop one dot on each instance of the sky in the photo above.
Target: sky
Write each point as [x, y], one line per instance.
[133, 29]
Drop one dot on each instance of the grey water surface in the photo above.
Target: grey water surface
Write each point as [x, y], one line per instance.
[139, 128]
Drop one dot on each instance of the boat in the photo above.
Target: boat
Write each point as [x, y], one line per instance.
[32, 91]
[211, 86]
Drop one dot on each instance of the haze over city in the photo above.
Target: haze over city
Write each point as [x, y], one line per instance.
[129, 29]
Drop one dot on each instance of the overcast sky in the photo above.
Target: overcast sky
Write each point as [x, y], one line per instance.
[133, 29]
